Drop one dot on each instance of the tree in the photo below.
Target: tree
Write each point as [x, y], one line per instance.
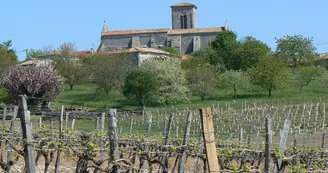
[205, 55]
[109, 71]
[202, 79]
[39, 84]
[271, 74]
[8, 56]
[34, 53]
[304, 75]
[171, 50]
[297, 50]
[69, 66]
[171, 78]
[225, 45]
[250, 51]
[235, 80]
[140, 85]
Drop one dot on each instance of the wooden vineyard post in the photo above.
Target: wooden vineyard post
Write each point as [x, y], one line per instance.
[114, 154]
[4, 116]
[40, 122]
[209, 139]
[149, 121]
[168, 129]
[73, 123]
[241, 136]
[102, 122]
[66, 120]
[323, 145]
[249, 135]
[57, 166]
[24, 116]
[267, 153]
[131, 125]
[184, 143]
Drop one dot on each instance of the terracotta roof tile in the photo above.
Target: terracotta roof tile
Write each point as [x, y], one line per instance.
[183, 4]
[195, 30]
[84, 52]
[134, 50]
[129, 32]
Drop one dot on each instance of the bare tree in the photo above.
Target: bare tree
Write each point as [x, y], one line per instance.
[109, 71]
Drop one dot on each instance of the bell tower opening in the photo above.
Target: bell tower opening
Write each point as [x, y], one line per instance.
[183, 16]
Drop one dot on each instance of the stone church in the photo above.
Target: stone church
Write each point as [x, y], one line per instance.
[184, 35]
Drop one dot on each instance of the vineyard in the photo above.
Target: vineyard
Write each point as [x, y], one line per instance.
[251, 137]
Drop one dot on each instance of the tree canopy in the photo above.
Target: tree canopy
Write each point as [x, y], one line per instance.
[226, 45]
[8, 56]
[251, 50]
[140, 85]
[171, 78]
[271, 74]
[297, 50]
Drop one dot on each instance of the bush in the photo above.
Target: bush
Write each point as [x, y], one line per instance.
[4, 98]
[140, 85]
[39, 84]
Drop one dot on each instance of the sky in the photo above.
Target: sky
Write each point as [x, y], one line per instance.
[32, 24]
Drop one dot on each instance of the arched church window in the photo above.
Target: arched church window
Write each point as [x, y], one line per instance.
[185, 26]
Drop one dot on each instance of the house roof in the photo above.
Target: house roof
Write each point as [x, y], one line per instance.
[183, 4]
[84, 52]
[135, 50]
[195, 30]
[129, 32]
[323, 56]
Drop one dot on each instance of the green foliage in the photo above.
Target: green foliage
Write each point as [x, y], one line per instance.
[251, 50]
[271, 74]
[70, 66]
[109, 71]
[171, 78]
[235, 80]
[4, 98]
[202, 79]
[171, 50]
[226, 45]
[34, 53]
[206, 55]
[304, 75]
[8, 56]
[297, 50]
[140, 85]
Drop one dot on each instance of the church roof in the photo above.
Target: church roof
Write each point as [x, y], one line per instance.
[129, 32]
[183, 4]
[135, 50]
[164, 30]
[195, 30]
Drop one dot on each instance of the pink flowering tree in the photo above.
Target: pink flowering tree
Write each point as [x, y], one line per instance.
[39, 84]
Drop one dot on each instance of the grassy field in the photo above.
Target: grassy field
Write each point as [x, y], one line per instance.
[84, 95]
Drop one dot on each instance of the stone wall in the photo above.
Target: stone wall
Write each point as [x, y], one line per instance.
[154, 40]
[189, 11]
[183, 43]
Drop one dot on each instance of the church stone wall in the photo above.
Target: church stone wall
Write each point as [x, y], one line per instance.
[116, 42]
[190, 12]
[155, 40]
[206, 38]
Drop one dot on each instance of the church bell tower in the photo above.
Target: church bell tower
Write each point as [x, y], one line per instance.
[184, 16]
